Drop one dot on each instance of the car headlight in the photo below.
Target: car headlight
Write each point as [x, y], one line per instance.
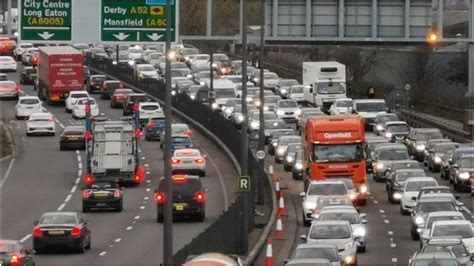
[283, 91]
[310, 205]
[131, 62]
[202, 83]
[298, 112]
[363, 189]
[464, 175]
[349, 259]
[257, 103]
[419, 220]
[397, 195]
[280, 112]
[193, 97]
[289, 159]
[379, 166]
[189, 76]
[274, 144]
[228, 111]
[388, 135]
[214, 105]
[352, 196]
[240, 118]
[186, 58]
[255, 79]
[360, 231]
[249, 99]
[299, 166]
[254, 124]
[114, 62]
[281, 151]
[265, 108]
[224, 108]
[267, 134]
[349, 245]
[214, 65]
[379, 127]
[173, 92]
[437, 159]
[420, 147]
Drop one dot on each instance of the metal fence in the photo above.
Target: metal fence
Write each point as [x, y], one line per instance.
[224, 235]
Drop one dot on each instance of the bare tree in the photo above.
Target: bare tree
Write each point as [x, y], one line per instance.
[225, 16]
[457, 72]
[192, 17]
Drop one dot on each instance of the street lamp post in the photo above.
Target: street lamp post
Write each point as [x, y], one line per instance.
[261, 135]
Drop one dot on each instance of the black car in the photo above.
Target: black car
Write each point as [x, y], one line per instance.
[272, 125]
[273, 141]
[28, 75]
[298, 167]
[189, 197]
[13, 252]
[369, 150]
[133, 98]
[72, 137]
[95, 83]
[102, 195]
[396, 180]
[108, 88]
[61, 229]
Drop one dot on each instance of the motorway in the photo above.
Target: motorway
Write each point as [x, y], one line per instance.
[40, 178]
[388, 236]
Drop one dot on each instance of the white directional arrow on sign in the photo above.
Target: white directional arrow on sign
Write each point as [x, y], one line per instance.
[46, 35]
[154, 37]
[121, 36]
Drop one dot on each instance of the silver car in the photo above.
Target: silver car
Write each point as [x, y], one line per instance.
[188, 161]
[282, 145]
[317, 251]
[288, 110]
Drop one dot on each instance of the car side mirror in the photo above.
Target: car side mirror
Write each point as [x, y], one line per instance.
[303, 194]
[30, 251]
[364, 221]
[414, 198]
[303, 237]
[155, 190]
[311, 90]
[286, 261]
[36, 222]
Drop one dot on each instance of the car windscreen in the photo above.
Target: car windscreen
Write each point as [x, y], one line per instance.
[287, 140]
[287, 104]
[57, 219]
[270, 76]
[443, 148]
[224, 93]
[427, 135]
[352, 218]
[397, 166]
[402, 176]
[138, 98]
[287, 82]
[150, 107]
[297, 89]
[181, 140]
[135, 51]
[418, 185]
[278, 134]
[426, 207]
[201, 57]
[294, 147]
[329, 231]
[30, 70]
[331, 88]
[431, 220]
[466, 162]
[6, 59]
[271, 99]
[328, 189]
[392, 154]
[220, 57]
[29, 101]
[337, 153]
[269, 124]
[387, 118]
[145, 68]
[398, 128]
[434, 262]
[98, 79]
[348, 182]
[462, 230]
[458, 250]
[371, 107]
[73, 132]
[9, 247]
[121, 91]
[7, 84]
[317, 253]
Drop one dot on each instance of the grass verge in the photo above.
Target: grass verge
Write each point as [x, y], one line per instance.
[6, 147]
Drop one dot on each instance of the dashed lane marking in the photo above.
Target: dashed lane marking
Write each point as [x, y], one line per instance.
[147, 172]
[390, 233]
[393, 245]
[137, 217]
[77, 152]
[142, 207]
[129, 228]
[79, 159]
[148, 189]
[61, 207]
[25, 238]
[146, 198]
[61, 125]
[102, 253]
[79, 164]
[382, 211]
[386, 221]
[394, 260]
[146, 165]
[68, 198]
[77, 180]
[118, 240]
[73, 189]
[143, 158]
[148, 181]
[7, 173]
[466, 209]
[79, 172]
[376, 202]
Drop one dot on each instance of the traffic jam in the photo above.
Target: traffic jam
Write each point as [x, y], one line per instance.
[335, 149]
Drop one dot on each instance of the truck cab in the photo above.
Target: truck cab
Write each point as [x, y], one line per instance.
[324, 82]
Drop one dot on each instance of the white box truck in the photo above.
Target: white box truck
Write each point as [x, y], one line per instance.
[324, 82]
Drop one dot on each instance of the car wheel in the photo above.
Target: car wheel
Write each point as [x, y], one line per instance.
[147, 138]
[306, 222]
[61, 147]
[414, 234]
[201, 216]
[28, 134]
[85, 209]
[390, 197]
[402, 211]
[457, 187]
[81, 248]
[89, 243]
[287, 168]
[68, 110]
[202, 173]
[120, 207]
[362, 249]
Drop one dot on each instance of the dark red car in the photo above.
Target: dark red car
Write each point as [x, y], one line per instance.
[118, 97]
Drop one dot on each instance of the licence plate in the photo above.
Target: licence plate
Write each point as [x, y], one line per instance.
[180, 206]
[179, 147]
[73, 138]
[101, 195]
[56, 232]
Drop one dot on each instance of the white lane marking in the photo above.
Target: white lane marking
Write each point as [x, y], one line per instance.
[146, 165]
[376, 202]
[117, 240]
[129, 228]
[148, 181]
[7, 173]
[148, 189]
[134, 222]
[111, 246]
[61, 207]
[393, 245]
[390, 233]
[383, 215]
[139, 150]
[79, 164]
[73, 189]
[79, 159]
[77, 152]
[221, 180]
[147, 172]
[68, 198]
[137, 217]
[142, 207]
[102, 253]
[77, 180]
[55, 119]
[143, 158]
[394, 260]
[25, 238]
[466, 209]
[382, 211]
[386, 221]
[146, 198]
[79, 172]
[61, 125]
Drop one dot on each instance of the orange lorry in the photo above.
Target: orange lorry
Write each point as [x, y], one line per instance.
[334, 148]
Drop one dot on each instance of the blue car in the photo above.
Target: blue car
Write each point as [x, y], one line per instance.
[154, 128]
[180, 142]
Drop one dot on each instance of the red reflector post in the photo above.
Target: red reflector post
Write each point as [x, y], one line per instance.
[88, 179]
[87, 135]
[138, 133]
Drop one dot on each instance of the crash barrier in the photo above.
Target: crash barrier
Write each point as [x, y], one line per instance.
[224, 235]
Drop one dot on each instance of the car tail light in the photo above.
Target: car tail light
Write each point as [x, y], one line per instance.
[37, 232]
[150, 126]
[160, 198]
[76, 231]
[86, 194]
[200, 197]
[200, 160]
[50, 120]
[89, 179]
[105, 87]
[117, 193]
[180, 178]
[175, 161]
[189, 133]
[15, 260]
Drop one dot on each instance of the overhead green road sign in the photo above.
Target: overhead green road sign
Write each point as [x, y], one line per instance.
[45, 20]
[134, 21]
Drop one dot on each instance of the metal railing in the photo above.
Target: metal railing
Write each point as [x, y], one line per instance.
[224, 234]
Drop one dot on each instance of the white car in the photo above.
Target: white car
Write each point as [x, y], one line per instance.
[27, 105]
[287, 110]
[412, 186]
[341, 106]
[455, 228]
[188, 161]
[9, 89]
[200, 59]
[7, 63]
[135, 53]
[350, 214]
[296, 93]
[146, 71]
[337, 233]
[424, 227]
[27, 54]
[40, 123]
[314, 191]
[20, 49]
[79, 110]
[72, 98]
[369, 109]
[150, 110]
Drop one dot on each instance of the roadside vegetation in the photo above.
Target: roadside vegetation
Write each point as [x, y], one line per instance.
[6, 146]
